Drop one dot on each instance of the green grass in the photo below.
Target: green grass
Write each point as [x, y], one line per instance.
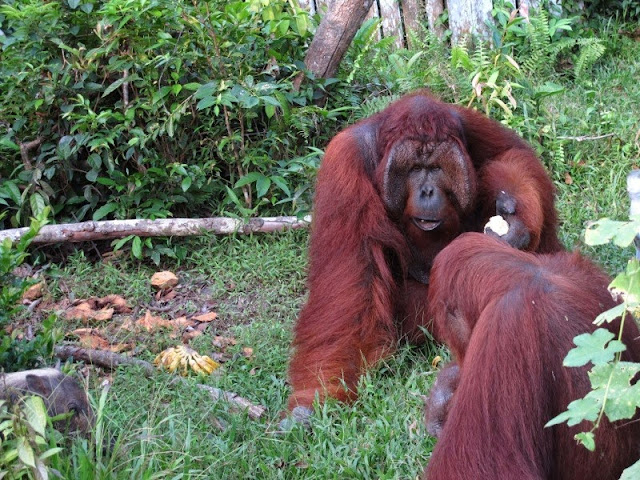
[174, 430]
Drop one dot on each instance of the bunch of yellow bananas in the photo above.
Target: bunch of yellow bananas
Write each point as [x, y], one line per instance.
[182, 358]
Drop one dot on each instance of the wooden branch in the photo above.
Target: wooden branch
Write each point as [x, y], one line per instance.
[101, 358]
[254, 411]
[333, 36]
[583, 138]
[164, 227]
[125, 90]
[110, 360]
[24, 152]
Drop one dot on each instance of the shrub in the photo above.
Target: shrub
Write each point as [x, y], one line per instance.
[153, 108]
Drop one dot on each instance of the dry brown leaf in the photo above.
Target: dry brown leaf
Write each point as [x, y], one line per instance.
[151, 322]
[413, 428]
[164, 280]
[247, 352]
[91, 338]
[223, 342]
[568, 179]
[34, 292]
[103, 315]
[128, 324]
[189, 334]
[169, 295]
[121, 347]
[220, 357]
[183, 322]
[205, 317]
[82, 311]
[193, 331]
[116, 301]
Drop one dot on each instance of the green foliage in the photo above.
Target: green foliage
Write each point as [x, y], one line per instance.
[12, 256]
[26, 445]
[14, 353]
[612, 392]
[153, 108]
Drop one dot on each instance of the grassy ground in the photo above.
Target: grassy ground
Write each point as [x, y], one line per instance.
[167, 430]
[256, 285]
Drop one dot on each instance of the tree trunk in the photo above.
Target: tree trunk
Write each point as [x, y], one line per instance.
[434, 10]
[469, 17]
[164, 227]
[412, 13]
[334, 35]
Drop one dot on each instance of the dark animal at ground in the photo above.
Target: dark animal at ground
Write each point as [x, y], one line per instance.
[61, 394]
[393, 190]
[509, 318]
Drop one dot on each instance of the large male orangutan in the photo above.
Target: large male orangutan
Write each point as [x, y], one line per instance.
[393, 190]
[509, 318]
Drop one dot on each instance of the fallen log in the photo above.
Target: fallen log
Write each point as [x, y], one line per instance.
[111, 360]
[163, 227]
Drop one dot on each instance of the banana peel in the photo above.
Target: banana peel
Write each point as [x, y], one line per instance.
[183, 359]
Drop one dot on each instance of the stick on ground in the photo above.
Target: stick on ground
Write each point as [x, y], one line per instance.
[106, 359]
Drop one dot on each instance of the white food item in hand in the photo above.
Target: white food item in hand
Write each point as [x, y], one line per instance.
[498, 225]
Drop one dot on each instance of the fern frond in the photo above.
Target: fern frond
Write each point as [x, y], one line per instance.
[375, 105]
[591, 49]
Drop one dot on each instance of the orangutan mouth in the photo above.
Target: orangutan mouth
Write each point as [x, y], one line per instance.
[426, 224]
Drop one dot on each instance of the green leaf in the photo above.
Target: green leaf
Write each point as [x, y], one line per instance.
[605, 230]
[36, 413]
[136, 247]
[283, 27]
[5, 142]
[206, 102]
[247, 179]
[104, 210]
[87, 7]
[587, 408]
[118, 83]
[13, 192]
[160, 94]
[186, 183]
[592, 347]
[631, 473]
[282, 184]
[587, 439]
[262, 185]
[73, 4]
[92, 175]
[94, 161]
[206, 90]
[25, 452]
[302, 24]
[611, 314]
[118, 244]
[622, 399]
[628, 282]
[270, 110]
[51, 452]
[37, 203]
